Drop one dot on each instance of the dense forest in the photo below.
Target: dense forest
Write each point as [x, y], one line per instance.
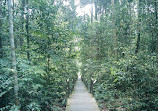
[45, 43]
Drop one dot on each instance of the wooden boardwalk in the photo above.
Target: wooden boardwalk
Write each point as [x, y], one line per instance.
[80, 99]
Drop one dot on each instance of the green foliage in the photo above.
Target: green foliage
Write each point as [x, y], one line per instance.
[43, 79]
[122, 80]
[131, 81]
[37, 91]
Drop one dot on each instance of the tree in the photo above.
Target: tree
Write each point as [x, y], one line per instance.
[13, 58]
[96, 9]
[139, 23]
[156, 25]
[1, 45]
[27, 30]
[22, 22]
[114, 29]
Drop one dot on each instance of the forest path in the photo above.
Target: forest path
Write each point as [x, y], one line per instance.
[81, 99]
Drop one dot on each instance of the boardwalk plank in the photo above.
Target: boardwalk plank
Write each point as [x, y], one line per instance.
[80, 99]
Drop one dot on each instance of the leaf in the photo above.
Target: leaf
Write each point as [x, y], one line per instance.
[2, 93]
[14, 108]
[115, 80]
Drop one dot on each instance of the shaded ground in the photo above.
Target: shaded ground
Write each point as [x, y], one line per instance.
[80, 99]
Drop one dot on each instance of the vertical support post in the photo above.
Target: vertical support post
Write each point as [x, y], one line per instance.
[91, 86]
[68, 87]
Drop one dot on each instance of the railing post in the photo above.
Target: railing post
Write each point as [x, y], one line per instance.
[86, 83]
[73, 81]
[92, 82]
[91, 86]
[68, 87]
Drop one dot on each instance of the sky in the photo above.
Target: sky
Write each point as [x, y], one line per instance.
[81, 10]
[84, 10]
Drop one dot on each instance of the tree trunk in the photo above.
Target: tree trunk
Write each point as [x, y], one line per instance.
[114, 29]
[139, 21]
[48, 56]
[156, 23]
[22, 22]
[1, 45]
[96, 10]
[16, 39]
[138, 42]
[27, 29]
[91, 11]
[13, 58]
